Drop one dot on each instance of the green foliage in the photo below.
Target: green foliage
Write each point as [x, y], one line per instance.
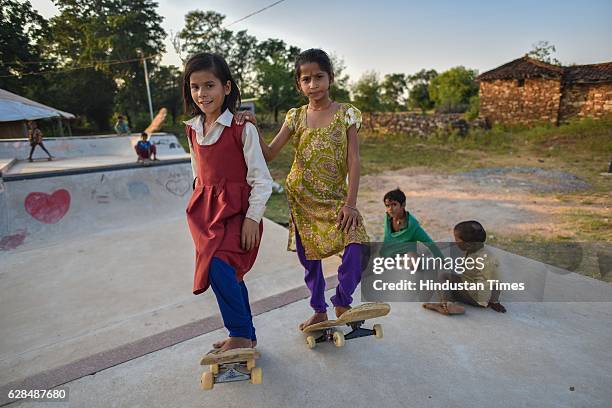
[204, 32]
[367, 93]
[543, 51]
[166, 83]
[393, 92]
[340, 89]
[474, 108]
[96, 35]
[418, 96]
[21, 32]
[88, 93]
[451, 91]
[274, 76]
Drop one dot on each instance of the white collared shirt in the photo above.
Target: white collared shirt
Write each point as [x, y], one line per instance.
[258, 175]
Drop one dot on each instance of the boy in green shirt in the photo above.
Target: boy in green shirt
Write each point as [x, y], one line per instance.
[402, 228]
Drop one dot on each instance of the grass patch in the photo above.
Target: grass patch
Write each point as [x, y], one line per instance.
[592, 259]
[583, 148]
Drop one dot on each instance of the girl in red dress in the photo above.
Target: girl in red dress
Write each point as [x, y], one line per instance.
[231, 187]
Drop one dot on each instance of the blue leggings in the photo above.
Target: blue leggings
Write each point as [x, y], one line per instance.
[233, 299]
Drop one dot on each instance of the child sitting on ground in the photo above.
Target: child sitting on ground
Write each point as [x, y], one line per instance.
[470, 237]
[144, 148]
[401, 227]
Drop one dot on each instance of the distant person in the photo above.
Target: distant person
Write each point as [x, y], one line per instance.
[402, 228]
[35, 136]
[145, 149]
[121, 127]
[470, 236]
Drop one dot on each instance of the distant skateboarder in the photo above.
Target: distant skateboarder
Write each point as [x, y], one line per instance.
[35, 136]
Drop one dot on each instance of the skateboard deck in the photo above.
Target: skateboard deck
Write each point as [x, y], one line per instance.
[354, 318]
[232, 365]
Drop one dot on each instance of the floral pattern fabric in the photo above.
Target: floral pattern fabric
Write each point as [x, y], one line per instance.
[317, 184]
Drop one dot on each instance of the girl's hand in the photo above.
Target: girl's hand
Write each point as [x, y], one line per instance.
[249, 238]
[243, 116]
[348, 218]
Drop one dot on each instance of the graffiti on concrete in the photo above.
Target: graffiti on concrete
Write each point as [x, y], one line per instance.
[176, 184]
[48, 208]
[102, 192]
[13, 241]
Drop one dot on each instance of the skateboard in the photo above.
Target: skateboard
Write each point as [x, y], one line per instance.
[354, 318]
[232, 365]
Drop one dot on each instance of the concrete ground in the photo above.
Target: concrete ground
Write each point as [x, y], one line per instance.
[536, 355]
[100, 302]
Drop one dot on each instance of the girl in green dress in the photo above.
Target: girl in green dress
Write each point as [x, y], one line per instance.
[322, 199]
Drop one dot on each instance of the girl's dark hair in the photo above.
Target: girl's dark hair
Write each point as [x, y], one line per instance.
[215, 64]
[313, 55]
[471, 231]
[395, 195]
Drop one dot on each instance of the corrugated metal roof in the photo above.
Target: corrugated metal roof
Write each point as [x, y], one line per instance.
[15, 107]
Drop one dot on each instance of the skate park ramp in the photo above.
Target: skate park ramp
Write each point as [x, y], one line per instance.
[99, 258]
[96, 268]
[79, 152]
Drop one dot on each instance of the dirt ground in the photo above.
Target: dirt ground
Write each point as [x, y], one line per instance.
[510, 201]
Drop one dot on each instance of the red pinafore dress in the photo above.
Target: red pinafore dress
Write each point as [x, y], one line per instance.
[218, 205]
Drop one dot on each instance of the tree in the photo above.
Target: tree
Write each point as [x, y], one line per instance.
[451, 91]
[393, 91]
[339, 90]
[367, 93]
[85, 92]
[274, 76]
[204, 32]
[21, 32]
[543, 51]
[107, 36]
[418, 96]
[167, 89]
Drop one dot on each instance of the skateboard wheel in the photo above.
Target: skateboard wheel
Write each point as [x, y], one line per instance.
[250, 364]
[378, 331]
[310, 340]
[338, 339]
[214, 368]
[256, 375]
[208, 380]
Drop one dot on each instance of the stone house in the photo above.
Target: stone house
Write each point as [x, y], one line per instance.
[527, 91]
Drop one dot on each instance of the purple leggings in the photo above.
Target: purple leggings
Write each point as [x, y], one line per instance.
[349, 276]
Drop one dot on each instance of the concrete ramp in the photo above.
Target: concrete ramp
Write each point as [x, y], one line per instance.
[99, 260]
[89, 146]
[48, 209]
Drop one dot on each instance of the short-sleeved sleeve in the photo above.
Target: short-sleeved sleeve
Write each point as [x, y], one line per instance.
[353, 117]
[290, 119]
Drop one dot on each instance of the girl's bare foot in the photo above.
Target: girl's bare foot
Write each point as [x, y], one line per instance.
[340, 310]
[315, 318]
[219, 344]
[235, 342]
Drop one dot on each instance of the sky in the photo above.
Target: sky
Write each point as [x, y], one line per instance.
[407, 36]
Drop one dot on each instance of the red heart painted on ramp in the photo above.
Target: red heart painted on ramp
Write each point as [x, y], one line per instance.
[48, 208]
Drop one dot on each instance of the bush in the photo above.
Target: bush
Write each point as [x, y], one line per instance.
[473, 109]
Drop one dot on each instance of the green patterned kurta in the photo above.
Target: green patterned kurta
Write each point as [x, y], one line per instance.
[317, 183]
